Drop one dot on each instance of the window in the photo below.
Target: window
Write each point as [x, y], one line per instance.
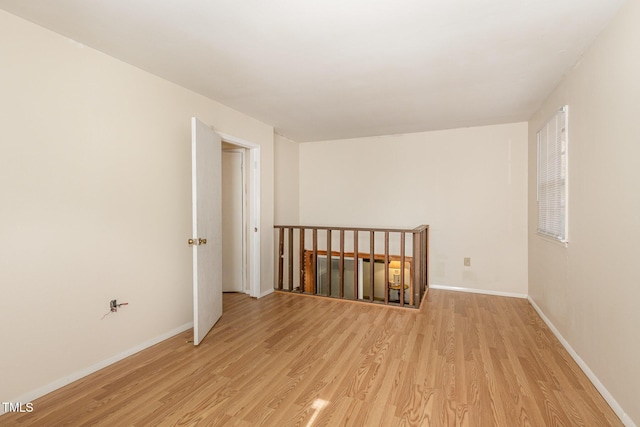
[552, 177]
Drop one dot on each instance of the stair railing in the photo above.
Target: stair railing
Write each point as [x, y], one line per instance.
[314, 260]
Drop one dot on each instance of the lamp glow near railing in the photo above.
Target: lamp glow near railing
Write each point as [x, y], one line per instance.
[394, 270]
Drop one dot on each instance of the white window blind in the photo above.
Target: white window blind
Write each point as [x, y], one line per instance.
[552, 176]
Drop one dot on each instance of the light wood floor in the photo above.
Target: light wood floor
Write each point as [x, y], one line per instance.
[463, 360]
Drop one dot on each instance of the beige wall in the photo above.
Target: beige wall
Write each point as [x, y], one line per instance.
[286, 177]
[591, 289]
[95, 204]
[469, 184]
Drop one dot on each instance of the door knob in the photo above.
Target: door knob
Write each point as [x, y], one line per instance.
[196, 242]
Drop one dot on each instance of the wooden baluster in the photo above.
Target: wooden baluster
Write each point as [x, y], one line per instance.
[328, 262]
[280, 257]
[341, 263]
[423, 272]
[372, 265]
[290, 251]
[302, 263]
[426, 259]
[402, 269]
[355, 264]
[314, 261]
[386, 267]
[415, 270]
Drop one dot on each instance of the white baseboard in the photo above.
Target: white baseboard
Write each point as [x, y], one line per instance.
[267, 292]
[59, 383]
[478, 291]
[628, 422]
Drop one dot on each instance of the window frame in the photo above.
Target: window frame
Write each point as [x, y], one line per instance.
[552, 180]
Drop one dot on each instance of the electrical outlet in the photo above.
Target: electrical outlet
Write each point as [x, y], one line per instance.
[113, 305]
[467, 262]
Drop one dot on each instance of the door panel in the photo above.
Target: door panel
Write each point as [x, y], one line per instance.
[207, 228]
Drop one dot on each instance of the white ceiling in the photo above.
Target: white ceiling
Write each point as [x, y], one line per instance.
[331, 69]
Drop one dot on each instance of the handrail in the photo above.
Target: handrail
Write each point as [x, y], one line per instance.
[376, 229]
[311, 279]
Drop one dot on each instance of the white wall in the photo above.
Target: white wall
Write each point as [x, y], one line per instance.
[286, 178]
[469, 185]
[95, 204]
[591, 289]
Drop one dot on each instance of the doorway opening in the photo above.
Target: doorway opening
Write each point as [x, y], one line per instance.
[234, 224]
[240, 216]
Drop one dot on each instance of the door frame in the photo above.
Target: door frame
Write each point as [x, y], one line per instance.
[253, 219]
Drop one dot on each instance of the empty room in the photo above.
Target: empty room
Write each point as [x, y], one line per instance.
[319, 213]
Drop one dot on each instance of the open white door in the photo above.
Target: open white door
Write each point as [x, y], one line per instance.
[207, 228]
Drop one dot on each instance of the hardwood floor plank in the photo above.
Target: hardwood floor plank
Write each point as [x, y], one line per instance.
[284, 360]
